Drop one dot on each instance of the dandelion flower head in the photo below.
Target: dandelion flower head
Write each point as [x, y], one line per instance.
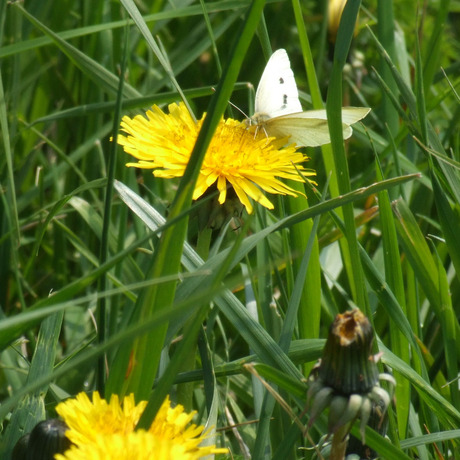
[106, 430]
[248, 160]
[138, 445]
[88, 419]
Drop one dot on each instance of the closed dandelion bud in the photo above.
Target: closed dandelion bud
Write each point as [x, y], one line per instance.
[20, 448]
[347, 364]
[46, 439]
[377, 422]
[346, 381]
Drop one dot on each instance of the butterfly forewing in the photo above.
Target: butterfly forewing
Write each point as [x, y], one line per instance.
[277, 93]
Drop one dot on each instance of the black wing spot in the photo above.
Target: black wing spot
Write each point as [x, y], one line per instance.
[285, 99]
[281, 81]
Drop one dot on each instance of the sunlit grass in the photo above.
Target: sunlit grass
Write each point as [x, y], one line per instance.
[178, 295]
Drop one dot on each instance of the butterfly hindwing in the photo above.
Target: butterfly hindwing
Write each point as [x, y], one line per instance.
[305, 133]
[310, 128]
[350, 115]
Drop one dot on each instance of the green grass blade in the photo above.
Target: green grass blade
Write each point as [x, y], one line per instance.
[131, 8]
[426, 269]
[387, 33]
[444, 410]
[394, 278]
[12, 209]
[103, 317]
[431, 64]
[32, 409]
[307, 272]
[310, 308]
[448, 219]
[450, 329]
[334, 114]
[384, 447]
[95, 71]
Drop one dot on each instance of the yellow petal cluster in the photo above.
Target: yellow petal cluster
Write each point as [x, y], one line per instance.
[139, 445]
[106, 430]
[88, 420]
[249, 161]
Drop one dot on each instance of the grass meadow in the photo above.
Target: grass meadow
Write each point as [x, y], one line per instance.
[114, 280]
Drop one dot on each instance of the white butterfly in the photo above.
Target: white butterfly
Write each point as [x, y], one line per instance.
[279, 114]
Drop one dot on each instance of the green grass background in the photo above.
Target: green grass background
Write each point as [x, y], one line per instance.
[94, 273]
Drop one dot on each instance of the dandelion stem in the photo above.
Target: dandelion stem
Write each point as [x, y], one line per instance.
[340, 442]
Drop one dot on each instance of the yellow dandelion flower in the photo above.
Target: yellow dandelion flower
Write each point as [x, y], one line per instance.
[138, 445]
[173, 422]
[88, 419]
[248, 160]
[96, 423]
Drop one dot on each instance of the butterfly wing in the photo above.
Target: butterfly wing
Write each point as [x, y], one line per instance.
[350, 115]
[277, 93]
[305, 132]
[310, 128]
[279, 112]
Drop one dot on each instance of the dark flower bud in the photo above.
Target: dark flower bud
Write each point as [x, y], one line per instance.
[46, 439]
[20, 448]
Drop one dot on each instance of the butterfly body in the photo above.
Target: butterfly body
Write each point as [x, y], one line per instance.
[278, 111]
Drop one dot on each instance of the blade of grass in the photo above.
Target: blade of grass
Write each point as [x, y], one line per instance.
[334, 115]
[300, 351]
[32, 408]
[419, 90]
[443, 409]
[433, 51]
[448, 218]
[304, 307]
[430, 439]
[103, 282]
[310, 309]
[421, 259]
[132, 10]
[394, 278]
[382, 445]
[10, 220]
[95, 71]
[450, 328]
[386, 33]
[131, 103]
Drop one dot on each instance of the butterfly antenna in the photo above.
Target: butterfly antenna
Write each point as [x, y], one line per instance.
[237, 108]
